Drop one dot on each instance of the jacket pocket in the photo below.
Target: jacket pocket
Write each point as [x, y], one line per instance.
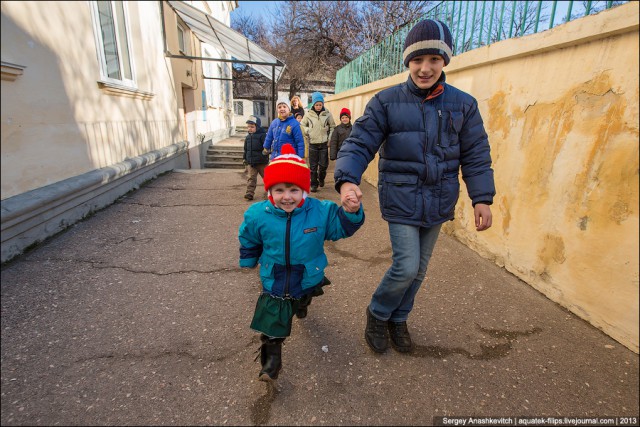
[398, 194]
[314, 271]
[266, 275]
[449, 193]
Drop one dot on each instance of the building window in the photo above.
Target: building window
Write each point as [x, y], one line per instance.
[258, 108]
[208, 68]
[182, 35]
[238, 108]
[111, 29]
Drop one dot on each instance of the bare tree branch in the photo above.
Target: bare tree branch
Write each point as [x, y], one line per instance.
[319, 37]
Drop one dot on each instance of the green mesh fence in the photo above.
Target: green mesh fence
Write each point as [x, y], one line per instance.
[473, 24]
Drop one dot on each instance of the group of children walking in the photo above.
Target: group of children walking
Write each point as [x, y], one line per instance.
[311, 134]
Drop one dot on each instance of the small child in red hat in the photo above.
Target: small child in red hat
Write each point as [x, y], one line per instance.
[285, 235]
[340, 133]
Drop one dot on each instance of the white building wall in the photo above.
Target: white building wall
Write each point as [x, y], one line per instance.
[57, 120]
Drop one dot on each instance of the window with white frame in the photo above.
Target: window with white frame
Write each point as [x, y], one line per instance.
[219, 101]
[183, 46]
[228, 90]
[111, 29]
[238, 108]
[212, 87]
[258, 108]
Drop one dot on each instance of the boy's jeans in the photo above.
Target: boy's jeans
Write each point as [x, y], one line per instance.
[252, 180]
[412, 248]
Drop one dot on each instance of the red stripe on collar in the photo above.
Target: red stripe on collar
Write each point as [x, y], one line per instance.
[435, 92]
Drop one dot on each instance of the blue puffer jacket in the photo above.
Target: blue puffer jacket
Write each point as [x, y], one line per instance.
[290, 247]
[423, 143]
[282, 132]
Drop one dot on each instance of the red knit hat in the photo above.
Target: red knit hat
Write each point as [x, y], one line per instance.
[287, 167]
[345, 111]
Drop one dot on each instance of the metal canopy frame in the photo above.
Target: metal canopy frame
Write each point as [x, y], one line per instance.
[217, 34]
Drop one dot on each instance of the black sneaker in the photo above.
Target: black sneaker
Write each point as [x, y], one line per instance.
[321, 183]
[314, 189]
[376, 333]
[400, 338]
[248, 196]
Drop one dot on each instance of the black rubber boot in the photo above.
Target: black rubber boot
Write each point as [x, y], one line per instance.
[376, 333]
[270, 358]
[301, 313]
[400, 338]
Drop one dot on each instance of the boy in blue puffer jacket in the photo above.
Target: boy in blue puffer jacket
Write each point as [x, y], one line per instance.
[284, 129]
[425, 131]
[286, 235]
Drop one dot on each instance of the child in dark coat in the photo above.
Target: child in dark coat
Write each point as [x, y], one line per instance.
[253, 157]
[340, 133]
[427, 134]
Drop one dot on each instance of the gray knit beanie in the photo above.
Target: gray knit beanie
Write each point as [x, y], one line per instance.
[428, 37]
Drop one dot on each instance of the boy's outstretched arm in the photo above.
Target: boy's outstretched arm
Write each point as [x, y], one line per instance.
[268, 139]
[342, 223]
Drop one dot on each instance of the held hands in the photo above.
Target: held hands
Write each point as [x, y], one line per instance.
[483, 216]
[265, 151]
[350, 197]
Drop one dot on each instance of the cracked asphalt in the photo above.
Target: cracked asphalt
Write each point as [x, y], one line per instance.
[139, 315]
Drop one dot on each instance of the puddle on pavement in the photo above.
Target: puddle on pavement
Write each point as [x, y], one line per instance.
[488, 352]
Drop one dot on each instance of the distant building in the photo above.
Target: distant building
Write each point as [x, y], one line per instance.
[251, 98]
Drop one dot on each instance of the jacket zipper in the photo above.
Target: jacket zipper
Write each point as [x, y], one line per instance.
[287, 253]
[439, 127]
[426, 140]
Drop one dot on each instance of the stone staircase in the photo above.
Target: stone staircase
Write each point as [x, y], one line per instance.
[227, 154]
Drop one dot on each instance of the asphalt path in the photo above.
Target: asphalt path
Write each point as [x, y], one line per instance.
[139, 315]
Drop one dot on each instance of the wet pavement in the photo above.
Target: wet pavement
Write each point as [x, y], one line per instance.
[139, 315]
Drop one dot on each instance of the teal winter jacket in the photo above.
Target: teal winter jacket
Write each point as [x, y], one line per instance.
[290, 246]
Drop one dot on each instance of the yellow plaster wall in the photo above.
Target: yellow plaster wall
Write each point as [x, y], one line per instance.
[561, 111]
